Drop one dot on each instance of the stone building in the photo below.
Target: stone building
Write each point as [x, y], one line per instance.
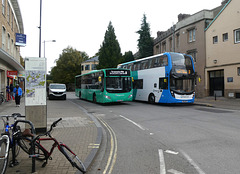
[89, 65]
[11, 23]
[222, 72]
[188, 36]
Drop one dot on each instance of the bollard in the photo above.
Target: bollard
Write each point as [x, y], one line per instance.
[215, 97]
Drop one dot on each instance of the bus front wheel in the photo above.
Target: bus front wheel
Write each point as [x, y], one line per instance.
[79, 95]
[151, 99]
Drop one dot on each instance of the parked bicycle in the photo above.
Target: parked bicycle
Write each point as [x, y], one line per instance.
[43, 154]
[2, 98]
[7, 141]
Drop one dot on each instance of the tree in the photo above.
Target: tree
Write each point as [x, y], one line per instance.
[145, 42]
[128, 56]
[68, 65]
[110, 51]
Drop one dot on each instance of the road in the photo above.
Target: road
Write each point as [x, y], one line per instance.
[159, 139]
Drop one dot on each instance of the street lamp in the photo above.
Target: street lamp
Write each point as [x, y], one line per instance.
[47, 41]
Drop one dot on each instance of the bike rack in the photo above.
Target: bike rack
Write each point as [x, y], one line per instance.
[32, 154]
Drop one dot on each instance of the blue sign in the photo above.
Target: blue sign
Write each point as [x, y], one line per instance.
[20, 39]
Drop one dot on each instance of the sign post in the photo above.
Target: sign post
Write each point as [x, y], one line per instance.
[35, 92]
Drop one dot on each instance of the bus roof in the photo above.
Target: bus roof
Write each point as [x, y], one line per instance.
[145, 58]
[137, 60]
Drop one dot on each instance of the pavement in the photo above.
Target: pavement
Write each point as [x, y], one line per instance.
[80, 131]
[219, 102]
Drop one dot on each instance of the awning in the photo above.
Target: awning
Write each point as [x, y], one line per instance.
[10, 60]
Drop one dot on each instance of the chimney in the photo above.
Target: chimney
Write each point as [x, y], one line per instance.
[182, 16]
[224, 2]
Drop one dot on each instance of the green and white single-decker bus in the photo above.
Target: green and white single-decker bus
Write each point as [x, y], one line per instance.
[105, 85]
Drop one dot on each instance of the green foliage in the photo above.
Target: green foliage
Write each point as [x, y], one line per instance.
[110, 52]
[128, 56]
[68, 66]
[145, 42]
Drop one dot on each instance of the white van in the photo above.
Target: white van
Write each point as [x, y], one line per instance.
[57, 90]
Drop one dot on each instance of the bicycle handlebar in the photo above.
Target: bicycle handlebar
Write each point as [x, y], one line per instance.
[54, 124]
[13, 115]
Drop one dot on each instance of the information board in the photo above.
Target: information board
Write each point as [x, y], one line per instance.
[35, 82]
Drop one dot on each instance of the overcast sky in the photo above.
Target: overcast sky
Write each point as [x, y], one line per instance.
[82, 24]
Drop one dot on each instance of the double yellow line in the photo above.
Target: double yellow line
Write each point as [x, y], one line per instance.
[113, 151]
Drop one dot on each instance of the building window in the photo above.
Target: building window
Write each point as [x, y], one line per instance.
[238, 71]
[82, 67]
[237, 36]
[193, 53]
[94, 66]
[12, 21]
[225, 37]
[87, 67]
[192, 35]
[177, 41]
[8, 46]
[3, 38]
[8, 13]
[3, 7]
[170, 45]
[164, 46]
[215, 39]
[12, 47]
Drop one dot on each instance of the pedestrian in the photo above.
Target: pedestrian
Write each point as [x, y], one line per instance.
[8, 92]
[18, 93]
[11, 91]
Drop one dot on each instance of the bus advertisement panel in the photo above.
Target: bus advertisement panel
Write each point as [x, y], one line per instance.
[163, 78]
[105, 85]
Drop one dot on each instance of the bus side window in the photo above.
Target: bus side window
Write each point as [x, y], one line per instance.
[146, 65]
[163, 83]
[150, 62]
[137, 66]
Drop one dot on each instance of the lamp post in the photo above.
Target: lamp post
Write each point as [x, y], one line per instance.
[47, 41]
[40, 28]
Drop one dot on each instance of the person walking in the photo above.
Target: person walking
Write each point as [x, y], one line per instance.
[8, 93]
[11, 91]
[18, 93]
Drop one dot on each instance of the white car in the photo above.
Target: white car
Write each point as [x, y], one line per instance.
[57, 90]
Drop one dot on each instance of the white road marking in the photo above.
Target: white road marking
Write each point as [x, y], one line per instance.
[171, 152]
[136, 124]
[174, 171]
[162, 162]
[190, 160]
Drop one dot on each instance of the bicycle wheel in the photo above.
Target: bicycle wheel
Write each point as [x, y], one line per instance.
[4, 152]
[72, 158]
[24, 143]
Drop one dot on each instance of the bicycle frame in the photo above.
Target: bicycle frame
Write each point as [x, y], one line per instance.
[55, 144]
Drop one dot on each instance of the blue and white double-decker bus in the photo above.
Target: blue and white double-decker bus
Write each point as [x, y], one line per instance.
[163, 78]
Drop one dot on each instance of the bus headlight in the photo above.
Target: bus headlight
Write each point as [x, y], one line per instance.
[172, 94]
[107, 97]
[130, 96]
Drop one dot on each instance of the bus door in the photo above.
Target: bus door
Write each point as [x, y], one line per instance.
[163, 86]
